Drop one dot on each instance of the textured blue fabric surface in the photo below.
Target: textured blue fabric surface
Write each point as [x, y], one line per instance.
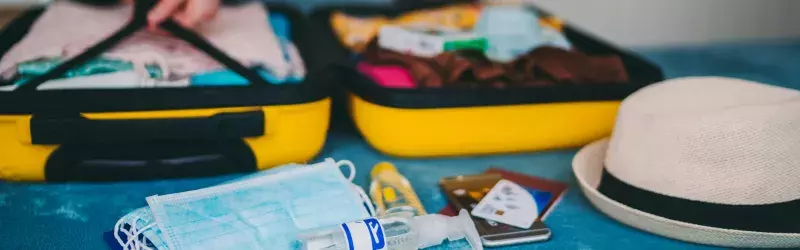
[74, 216]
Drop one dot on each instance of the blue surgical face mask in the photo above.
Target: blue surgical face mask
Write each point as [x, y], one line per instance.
[140, 226]
[140, 223]
[264, 211]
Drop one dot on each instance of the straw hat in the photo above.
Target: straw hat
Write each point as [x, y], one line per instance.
[707, 160]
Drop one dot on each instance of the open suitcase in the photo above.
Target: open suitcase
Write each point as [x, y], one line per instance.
[130, 134]
[429, 122]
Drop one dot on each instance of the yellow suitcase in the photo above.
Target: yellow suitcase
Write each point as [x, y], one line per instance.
[451, 122]
[134, 134]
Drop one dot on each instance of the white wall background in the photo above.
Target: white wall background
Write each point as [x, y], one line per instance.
[645, 23]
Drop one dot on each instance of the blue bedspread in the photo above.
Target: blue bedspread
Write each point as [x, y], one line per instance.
[74, 216]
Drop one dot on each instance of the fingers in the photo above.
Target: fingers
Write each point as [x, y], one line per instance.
[197, 11]
[163, 10]
[188, 13]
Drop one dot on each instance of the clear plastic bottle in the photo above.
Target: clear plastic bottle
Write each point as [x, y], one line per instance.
[392, 193]
[393, 233]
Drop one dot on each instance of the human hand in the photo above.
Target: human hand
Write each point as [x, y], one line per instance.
[188, 13]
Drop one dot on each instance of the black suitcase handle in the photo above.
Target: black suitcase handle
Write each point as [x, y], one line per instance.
[138, 22]
[78, 129]
[146, 161]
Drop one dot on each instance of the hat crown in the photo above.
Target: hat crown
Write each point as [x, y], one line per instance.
[710, 139]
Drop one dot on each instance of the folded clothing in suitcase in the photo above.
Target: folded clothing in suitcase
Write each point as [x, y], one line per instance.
[234, 115]
[449, 89]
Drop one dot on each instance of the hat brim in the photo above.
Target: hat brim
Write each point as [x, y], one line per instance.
[588, 167]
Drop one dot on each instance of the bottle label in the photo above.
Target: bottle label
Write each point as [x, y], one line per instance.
[428, 41]
[364, 235]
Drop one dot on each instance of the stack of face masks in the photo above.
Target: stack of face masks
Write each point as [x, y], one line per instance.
[261, 211]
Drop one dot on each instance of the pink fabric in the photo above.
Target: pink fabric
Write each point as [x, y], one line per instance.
[389, 76]
[67, 28]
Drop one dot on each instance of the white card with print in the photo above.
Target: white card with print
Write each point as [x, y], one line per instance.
[508, 203]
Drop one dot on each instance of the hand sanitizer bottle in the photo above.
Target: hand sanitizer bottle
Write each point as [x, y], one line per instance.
[393, 233]
[392, 193]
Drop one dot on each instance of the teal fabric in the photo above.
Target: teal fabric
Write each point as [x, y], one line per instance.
[74, 216]
[34, 68]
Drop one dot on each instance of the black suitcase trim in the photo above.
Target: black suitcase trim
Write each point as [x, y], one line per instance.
[77, 129]
[641, 72]
[146, 161]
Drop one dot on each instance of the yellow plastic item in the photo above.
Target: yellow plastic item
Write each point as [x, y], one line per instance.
[552, 22]
[293, 133]
[392, 193]
[380, 168]
[355, 32]
[389, 194]
[482, 130]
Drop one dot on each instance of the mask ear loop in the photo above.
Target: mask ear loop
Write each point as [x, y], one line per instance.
[133, 233]
[349, 165]
[363, 195]
[367, 201]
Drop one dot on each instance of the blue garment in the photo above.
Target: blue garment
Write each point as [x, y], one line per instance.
[510, 30]
[281, 26]
[265, 211]
[555, 38]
